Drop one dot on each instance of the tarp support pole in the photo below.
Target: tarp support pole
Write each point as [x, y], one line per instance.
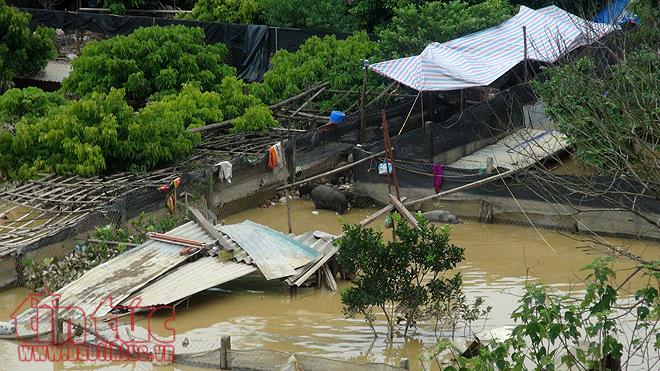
[525, 77]
[363, 126]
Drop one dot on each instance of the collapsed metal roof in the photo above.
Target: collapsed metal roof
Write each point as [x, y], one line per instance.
[157, 272]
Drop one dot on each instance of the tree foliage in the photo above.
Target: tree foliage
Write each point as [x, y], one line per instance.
[21, 50]
[389, 276]
[413, 27]
[609, 109]
[338, 62]
[29, 102]
[611, 118]
[228, 11]
[585, 333]
[101, 133]
[153, 60]
[323, 15]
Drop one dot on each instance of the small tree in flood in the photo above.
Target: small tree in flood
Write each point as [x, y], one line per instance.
[405, 279]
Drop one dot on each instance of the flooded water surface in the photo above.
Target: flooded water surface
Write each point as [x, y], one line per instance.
[499, 260]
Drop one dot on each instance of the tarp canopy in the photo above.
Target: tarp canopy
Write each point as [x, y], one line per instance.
[482, 57]
[616, 13]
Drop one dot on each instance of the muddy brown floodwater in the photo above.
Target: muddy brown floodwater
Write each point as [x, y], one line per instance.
[500, 259]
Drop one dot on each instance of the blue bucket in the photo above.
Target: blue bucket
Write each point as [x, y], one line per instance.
[337, 117]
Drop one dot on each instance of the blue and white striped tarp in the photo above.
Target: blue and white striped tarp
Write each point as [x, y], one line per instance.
[482, 57]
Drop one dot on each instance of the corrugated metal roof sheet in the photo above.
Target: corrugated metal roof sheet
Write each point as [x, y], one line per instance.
[189, 279]
[122, 275]
[276, 254]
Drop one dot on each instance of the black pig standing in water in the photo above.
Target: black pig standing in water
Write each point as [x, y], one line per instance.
[306, 189]
[325, 197]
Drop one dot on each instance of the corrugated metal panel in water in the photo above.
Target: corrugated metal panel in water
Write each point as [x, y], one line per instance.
[189, 279]
[276, 254]
[121, 276]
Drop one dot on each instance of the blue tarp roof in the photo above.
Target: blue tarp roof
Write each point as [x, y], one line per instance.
[616, 13]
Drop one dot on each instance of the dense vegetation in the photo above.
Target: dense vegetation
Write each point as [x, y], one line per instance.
[148, 61]
[21, 50]
[338, 62]
[413, 27]
[610, 110]
[227, 11]
[368, 15]
[101, 133]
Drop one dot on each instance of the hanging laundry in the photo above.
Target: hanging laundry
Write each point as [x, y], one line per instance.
[280, 154]
[224, 170]
[438, 172]
[171, 204]
[276, 156]
[272, 157]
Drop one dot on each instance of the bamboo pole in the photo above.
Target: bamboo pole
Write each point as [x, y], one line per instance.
[363, 126]
[525, 53]
[337, 170]
[227, 123]
[390, 155]
[464, 187]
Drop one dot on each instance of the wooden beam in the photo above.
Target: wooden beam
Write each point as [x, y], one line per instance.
[370, 219]
[337, 170]
[208, 228]
[308, 100]
[227, 123]
[329, 279]
[298, 96]
[464, 187]
[403, 211]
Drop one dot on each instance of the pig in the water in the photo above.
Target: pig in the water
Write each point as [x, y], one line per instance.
[325, 197]
[306, 189]
[441, 216]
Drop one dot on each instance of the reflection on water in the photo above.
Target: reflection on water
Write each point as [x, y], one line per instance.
[500, 259]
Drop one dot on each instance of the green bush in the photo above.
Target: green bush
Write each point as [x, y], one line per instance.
[405, 278]
[412, 27]
[323, 15]
[21, 50]
[29, 102]
[228, 11]
[338, 62]
[101, 133]
[148, 61]
[255, 118]
[598, 330]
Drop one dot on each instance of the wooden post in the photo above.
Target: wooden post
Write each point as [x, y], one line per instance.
[209, 196]
[57, 323]
[389, 155]
[288, 210]
[525, 77]
[225, 347]
[291, 162]
[428, 135]
[363, 126]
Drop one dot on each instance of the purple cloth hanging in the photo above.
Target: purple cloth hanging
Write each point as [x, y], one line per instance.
[438, 172]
